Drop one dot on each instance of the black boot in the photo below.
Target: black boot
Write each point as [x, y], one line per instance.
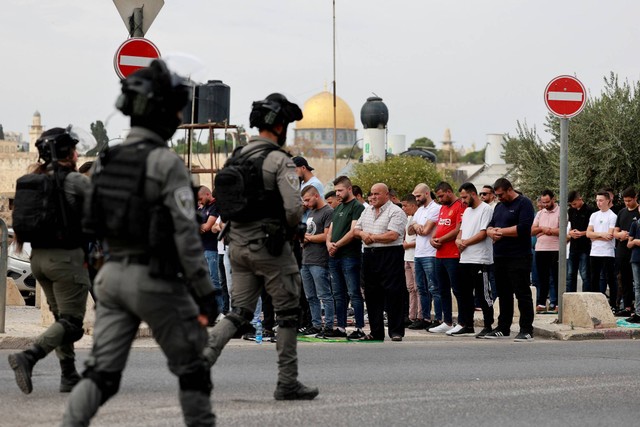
[22, 364]
[295, 391]
[70, 377]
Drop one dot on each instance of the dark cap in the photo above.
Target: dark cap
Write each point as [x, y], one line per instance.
[301, 161]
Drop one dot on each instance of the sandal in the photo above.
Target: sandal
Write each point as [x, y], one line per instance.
[369, 337]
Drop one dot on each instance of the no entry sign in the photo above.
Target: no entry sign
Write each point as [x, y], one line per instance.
[133, 54]
[565, 96]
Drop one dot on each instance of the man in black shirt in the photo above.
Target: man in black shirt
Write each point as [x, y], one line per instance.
[207, 216]
[580, 246]
[626, 217]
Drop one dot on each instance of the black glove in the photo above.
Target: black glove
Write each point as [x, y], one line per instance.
[209, 306]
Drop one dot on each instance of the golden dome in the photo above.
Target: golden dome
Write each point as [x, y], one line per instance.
[318, 113]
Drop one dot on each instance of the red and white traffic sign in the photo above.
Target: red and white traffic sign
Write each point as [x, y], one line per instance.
[133, 54]
[565, 96]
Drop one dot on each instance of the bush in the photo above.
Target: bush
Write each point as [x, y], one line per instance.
[402, 173]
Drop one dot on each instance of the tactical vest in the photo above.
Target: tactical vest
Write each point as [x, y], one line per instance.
[119, 210]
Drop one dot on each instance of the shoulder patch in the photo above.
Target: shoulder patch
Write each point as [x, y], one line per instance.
[184, 201]
[293, 180]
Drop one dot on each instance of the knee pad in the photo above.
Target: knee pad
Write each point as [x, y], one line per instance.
[72, 328]
[199, 380]
[107, 382]
[241, 318]
[288, 318]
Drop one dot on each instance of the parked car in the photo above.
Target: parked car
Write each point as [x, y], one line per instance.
[19, 269]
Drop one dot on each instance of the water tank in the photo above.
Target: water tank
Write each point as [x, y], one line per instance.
[213, 102]
[396, 144]
[374, 114]
[494, 149]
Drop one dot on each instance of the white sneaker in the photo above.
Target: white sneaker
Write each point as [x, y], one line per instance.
[440, 329]
[454, 329]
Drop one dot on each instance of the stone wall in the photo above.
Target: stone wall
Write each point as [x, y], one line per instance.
[14, 165]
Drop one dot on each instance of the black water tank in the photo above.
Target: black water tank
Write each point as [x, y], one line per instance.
[213, 102]
[374, 113]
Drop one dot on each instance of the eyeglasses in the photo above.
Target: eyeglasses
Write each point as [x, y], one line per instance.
[499, 195]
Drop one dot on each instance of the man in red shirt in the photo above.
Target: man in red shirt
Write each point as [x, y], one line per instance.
[447, 253]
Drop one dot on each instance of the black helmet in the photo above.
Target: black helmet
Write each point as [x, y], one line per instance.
[153, 96]
[62, 141]
[274, 110]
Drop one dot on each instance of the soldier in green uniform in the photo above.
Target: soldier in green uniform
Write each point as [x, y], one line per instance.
[141, 203]
[57, 262]
[260, 254]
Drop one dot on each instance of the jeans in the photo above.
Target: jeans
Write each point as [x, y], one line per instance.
[428, 288]
[345, 278]
[212, 262]
[578, 262]
[317, 287]
[635, 268]
[547, 266]
[447, 276]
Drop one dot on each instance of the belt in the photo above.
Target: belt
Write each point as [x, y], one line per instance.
[142, 259]
[381, 248]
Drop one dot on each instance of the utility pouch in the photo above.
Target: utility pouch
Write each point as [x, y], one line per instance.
[164, 262]
[275, 239]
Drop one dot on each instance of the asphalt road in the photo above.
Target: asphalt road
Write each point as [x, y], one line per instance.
[450, 382]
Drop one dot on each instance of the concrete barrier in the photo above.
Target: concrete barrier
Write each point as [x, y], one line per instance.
[587, 310]
[13, 294]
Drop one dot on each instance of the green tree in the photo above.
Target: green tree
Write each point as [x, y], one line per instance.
[402, 173]
[474, 157]
[423, 142]
[1, 133]
[604, 145]
[350, 153]
[100, 134]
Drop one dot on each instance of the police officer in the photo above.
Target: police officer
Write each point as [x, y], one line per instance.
[143, 206]
[57, 264]
[259, 257]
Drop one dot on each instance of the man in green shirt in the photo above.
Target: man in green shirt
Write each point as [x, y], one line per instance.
[345, 255]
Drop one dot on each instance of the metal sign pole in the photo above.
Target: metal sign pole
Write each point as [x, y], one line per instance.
[562, 234]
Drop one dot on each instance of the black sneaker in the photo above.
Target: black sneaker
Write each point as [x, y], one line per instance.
[310, 330]
[295, 391]
[419, 324]
[633, 319]
[483, 332]
[466, 331]
[334, 333]
[522, 337]
[624, 312]
[496, 334]
[356, 335]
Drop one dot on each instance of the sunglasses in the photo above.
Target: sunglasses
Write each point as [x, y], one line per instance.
[484, 193]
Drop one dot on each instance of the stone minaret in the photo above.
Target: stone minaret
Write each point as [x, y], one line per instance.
[35, 130]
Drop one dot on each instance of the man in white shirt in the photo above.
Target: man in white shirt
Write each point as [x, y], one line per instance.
[602, 257]
[423, 225]
[476, 256]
